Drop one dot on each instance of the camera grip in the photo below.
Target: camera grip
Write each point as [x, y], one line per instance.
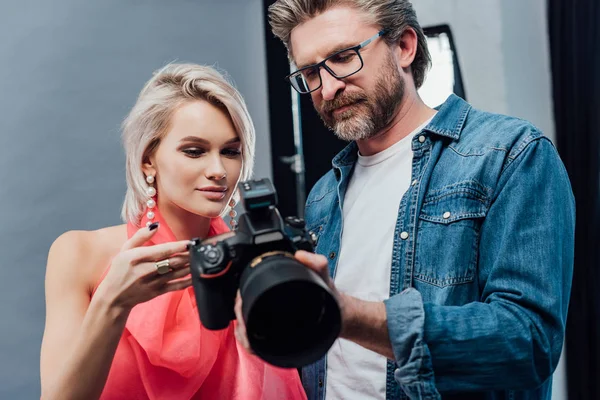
[215, 298]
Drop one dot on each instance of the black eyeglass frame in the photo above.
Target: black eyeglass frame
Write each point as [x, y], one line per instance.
[324, 65]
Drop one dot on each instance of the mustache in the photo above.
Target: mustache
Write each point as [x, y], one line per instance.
[344, 100]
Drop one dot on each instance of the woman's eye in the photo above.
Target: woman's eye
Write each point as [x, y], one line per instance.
[231, 152]
[194, 151]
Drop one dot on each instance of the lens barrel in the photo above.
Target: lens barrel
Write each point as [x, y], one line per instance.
[291, 315]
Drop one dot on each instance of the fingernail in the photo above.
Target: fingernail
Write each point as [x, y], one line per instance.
[153, 226]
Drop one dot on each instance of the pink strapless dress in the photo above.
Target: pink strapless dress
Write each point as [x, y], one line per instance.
[165, 352]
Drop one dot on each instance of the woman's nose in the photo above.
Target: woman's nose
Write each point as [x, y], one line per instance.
[216, 170]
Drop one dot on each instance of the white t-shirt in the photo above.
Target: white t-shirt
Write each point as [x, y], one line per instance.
[370, 211]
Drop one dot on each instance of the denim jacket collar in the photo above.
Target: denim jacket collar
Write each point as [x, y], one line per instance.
[448, 122]
[450, 119]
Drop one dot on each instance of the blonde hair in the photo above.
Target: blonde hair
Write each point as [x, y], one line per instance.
[149, 119]
[395, 16]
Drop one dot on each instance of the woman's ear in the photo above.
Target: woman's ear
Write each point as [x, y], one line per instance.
[148, 166]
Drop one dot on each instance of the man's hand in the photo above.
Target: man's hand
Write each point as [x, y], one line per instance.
[315, 262]
[318, 264]
[362, 322]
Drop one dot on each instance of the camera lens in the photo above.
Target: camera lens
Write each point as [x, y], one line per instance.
[291, 316]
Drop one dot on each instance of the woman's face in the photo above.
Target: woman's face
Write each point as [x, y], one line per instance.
[198, 162]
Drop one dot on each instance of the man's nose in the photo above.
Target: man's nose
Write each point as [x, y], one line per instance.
[330, 85]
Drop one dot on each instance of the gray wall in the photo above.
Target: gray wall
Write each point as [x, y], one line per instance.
[69, 72]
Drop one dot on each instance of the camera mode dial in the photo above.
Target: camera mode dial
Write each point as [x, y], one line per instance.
[295, 222]
[212, 257]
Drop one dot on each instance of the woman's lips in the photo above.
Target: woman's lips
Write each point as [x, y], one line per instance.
[213, 193]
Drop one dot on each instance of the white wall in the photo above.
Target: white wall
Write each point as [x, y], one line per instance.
[502, 48]
[503, 51]
[526, 51]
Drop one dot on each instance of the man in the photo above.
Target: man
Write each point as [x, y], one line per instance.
[447, 234]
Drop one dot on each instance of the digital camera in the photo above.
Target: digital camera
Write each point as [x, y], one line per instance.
[292, 317]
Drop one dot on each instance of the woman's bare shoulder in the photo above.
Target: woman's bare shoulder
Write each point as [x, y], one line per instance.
[84, 255]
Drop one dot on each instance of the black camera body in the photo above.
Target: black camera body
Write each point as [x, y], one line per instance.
[291, 315]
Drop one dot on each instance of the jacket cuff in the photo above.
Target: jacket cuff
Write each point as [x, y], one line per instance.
[405, 322]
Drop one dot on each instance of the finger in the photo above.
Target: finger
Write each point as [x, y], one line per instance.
[171, 276]
[240, 328]
[141, 237]
[149, 269]
[156, 279]
[316, 262]
[177, 285]
[237, 308]
[158, 252]
[176, 262]
[245, 342]
[240, 336]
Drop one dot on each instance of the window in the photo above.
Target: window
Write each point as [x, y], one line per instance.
[444, 77]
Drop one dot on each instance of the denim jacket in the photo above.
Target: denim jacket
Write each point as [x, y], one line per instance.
[482, 259]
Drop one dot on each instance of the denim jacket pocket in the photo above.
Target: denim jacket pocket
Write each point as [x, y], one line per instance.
[448, 235]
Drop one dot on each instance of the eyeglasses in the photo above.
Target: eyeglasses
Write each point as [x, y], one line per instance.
[340, 65]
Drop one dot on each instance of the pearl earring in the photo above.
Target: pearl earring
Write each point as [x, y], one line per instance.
[151, 192]
[232, 214]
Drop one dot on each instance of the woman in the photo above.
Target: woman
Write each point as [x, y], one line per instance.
[122, 321]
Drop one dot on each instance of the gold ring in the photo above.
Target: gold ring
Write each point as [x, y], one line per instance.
[163, 267]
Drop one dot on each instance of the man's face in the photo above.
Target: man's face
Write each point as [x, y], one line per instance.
[361, 105]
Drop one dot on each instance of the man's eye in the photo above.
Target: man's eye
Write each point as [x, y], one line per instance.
[343, 57]
[309, 73]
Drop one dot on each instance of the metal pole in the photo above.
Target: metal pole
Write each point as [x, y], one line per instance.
[296, 161]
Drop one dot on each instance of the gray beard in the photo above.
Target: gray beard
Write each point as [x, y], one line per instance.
[376, 112]
[354, 128]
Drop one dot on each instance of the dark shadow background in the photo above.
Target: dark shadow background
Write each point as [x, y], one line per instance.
[574, 28]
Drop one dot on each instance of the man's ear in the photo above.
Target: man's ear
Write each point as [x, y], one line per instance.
[406, 48]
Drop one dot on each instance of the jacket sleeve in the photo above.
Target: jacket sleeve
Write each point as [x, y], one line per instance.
[512, 338]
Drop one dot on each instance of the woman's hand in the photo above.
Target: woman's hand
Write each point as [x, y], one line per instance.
[133, 276]
[82, 335]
